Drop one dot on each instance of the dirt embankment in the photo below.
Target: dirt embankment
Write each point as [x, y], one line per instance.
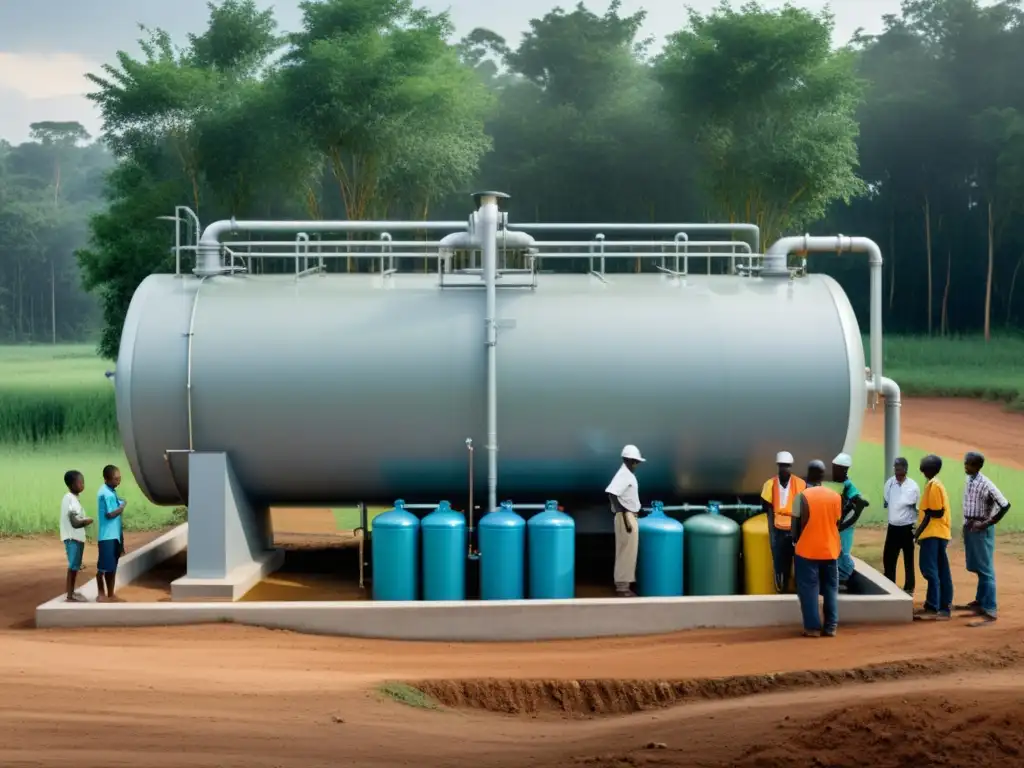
[587, 698]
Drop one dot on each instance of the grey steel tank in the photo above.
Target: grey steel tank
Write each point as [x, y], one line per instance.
[341, 388]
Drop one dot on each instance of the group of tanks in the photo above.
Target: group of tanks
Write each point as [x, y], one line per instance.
[711, 553]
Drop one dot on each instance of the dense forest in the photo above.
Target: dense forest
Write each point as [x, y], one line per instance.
[373, 109]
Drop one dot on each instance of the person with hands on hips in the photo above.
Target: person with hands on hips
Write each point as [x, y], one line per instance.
[624, 496]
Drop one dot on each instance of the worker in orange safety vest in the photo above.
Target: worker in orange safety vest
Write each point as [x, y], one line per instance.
[777, 503]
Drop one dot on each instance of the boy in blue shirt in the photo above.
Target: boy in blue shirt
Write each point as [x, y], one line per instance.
[110, 537]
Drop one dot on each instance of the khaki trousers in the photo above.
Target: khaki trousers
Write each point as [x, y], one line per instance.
[626, 546]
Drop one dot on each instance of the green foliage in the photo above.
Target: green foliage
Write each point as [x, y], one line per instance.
[770, 108]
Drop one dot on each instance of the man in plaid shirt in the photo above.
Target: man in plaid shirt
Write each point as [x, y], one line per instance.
[984, 506]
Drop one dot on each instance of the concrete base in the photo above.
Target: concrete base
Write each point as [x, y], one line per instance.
[883, 603]
[234, 585]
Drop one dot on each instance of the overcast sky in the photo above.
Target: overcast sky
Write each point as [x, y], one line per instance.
[47, 45]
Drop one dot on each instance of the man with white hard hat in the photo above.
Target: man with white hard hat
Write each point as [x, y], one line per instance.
[624, 495]
[853, 505]
[777, 496]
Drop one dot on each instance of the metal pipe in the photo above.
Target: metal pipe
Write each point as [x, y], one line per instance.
[890, 390]
[751, 229]
[775, 259]
[487, 221]
[469, 449]
[632, 255]
[731, 244]
[530, 507]
[209, 242]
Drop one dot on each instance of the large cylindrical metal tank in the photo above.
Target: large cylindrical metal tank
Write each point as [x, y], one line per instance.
[395, 554]
[324, 389]
[660, 560]
[502, 554]
[551, 542]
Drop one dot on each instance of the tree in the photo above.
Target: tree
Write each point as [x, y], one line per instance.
[771, 109]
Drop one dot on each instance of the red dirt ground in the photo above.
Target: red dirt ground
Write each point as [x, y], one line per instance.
[943, 695]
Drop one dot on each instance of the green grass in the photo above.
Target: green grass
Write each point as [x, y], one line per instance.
[957, 367]
[867, 475]
[406, 694]
[33, 485]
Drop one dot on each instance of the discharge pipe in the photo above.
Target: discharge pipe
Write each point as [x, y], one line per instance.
[487, 219]
[210, 246]
[775, 265]
[890, 390]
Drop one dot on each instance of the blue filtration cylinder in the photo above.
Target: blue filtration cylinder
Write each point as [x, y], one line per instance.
[502, 540]
[660, 561]
[552, 542]
[444, 554]
[395, 554]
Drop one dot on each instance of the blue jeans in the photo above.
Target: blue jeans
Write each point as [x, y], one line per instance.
[814, 577]
[845, 558]
[934, 562]
[980, 549]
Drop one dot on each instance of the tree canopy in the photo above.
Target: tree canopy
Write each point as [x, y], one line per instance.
[372, 109]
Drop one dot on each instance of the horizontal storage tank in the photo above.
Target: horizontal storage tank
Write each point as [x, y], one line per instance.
[303, 381]
[395, 554]
[712, 554]
[551, 538]
[444, 554]
[660, 555]
[502, 536]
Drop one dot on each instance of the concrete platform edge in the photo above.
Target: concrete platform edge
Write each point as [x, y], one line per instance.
[512, 620]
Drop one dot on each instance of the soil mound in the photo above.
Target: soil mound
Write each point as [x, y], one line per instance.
[589, 698]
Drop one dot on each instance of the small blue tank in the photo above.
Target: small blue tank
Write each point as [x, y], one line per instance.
[444, 554]
[395, 554]
[552, 542]
[660, 560]
[502, 538]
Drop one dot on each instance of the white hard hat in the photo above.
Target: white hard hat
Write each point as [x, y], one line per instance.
[784, 457]
[632, 452]
[842, 460]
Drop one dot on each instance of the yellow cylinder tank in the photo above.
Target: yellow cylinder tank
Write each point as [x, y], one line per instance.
[758, 571]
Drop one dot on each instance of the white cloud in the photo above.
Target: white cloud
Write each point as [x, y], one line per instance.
[45, 76]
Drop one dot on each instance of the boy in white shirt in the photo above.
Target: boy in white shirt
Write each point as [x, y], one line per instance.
[624, 496]
[73, 523]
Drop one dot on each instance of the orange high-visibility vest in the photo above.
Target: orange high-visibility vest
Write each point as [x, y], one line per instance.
[772, 492]
[819, 525]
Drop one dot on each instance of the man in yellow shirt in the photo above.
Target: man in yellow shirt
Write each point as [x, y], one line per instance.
[777, 496]
[933, 535]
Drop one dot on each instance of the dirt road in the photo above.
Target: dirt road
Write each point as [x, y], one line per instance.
[235, 696]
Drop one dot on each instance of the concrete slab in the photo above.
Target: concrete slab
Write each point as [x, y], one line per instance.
[477, 620]
[234, 585]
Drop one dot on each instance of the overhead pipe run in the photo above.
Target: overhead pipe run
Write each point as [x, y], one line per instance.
[209, 249]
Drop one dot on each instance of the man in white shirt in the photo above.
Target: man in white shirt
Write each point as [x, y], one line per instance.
[73, 523]
[901, 495]
[624, 495]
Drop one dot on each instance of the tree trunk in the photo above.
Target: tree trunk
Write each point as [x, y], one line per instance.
[1009, 298]
[53, 302]
[991, 269]
[928, 254]
[945, 292]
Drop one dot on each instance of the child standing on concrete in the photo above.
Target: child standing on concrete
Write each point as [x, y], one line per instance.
[73, 523]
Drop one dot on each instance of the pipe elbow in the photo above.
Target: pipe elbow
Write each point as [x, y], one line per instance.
[890, 390]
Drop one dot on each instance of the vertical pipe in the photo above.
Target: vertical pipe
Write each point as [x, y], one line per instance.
[469, 448]
[487, 221]
[890, 390]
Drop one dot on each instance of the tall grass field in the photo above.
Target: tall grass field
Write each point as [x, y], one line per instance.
[57, 413]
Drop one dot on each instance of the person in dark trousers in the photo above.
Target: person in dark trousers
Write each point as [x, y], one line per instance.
[984, 506]
[73, 523]
[817, 522]
[933, 535]
[110, 540]
[901, 495]
[777, 496]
